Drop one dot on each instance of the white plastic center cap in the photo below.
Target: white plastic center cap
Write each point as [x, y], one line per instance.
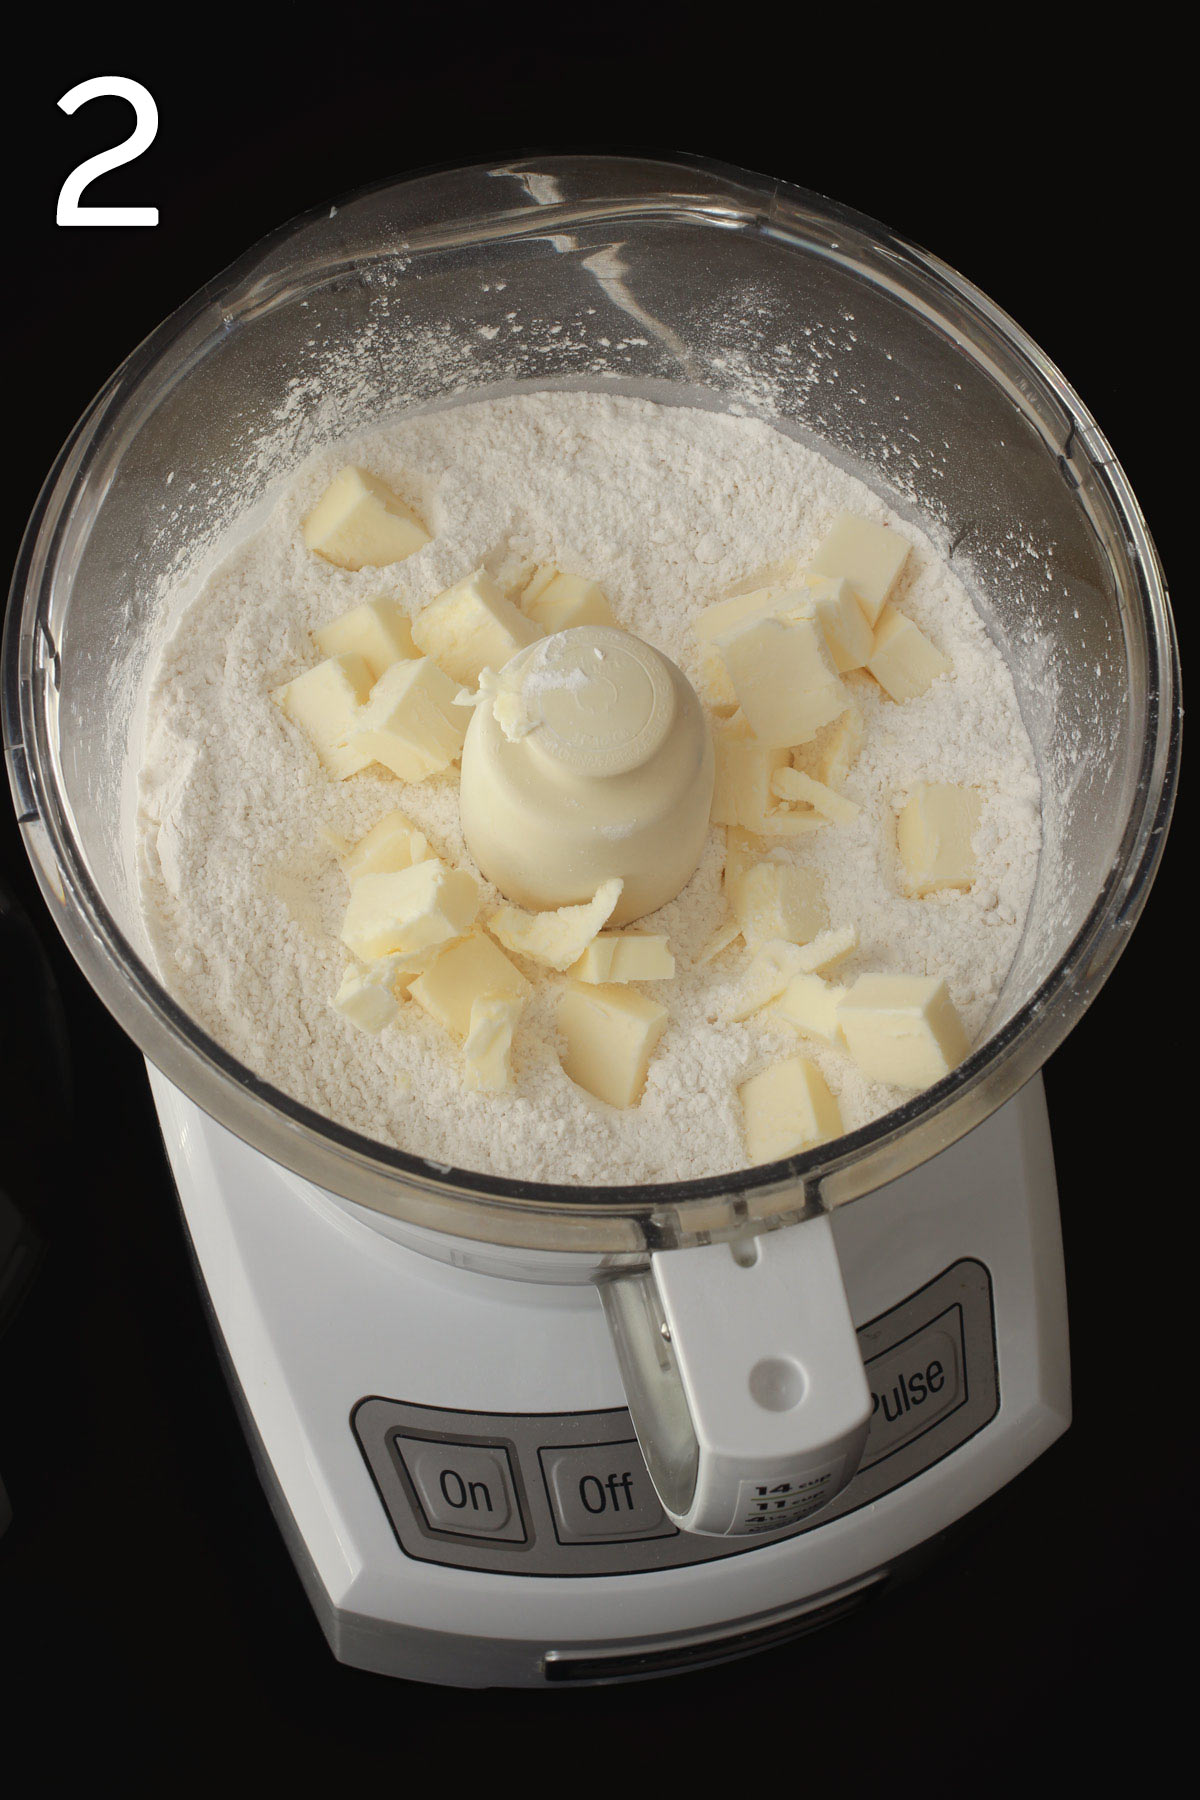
[605, 700]
[587, 756]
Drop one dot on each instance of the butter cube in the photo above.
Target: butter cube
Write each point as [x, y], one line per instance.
[933, 835]
[713, 684]
[722, 937]
[625, 956]
[771, 969]
[831, 754]
[742, 849]
[538, 582]
[556, 602]
[410, 723]
[793, 784]
[489, 1042]
[460, 976]
[902, 1029]
[787, 1109]
[832, 603]
[744, 767]
[844, 624]
[557, 938]
[904, 662]
[394, 843]
[790, 822]
[378, 631]
[827, 949]
[726, 615]
[367, 995]
[868, 556]
[769, 600]
[327, 704]
[784, 679]
[611, 1032]
[358, 523]
[409, 911]
[472, 627]
[810, 1005]
[773, 900]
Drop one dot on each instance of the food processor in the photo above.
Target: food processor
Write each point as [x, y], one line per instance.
[524, 1434]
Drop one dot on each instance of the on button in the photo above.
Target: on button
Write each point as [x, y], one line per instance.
[464, 1488]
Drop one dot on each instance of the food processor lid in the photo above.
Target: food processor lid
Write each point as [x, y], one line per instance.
[423, 217]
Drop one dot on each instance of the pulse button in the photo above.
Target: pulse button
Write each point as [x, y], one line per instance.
[464, 1488]
[601, 1493]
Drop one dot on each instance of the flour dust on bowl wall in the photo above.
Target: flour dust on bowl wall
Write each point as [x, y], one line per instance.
[596, 793]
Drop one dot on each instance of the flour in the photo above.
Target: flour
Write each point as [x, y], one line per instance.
[667, 508]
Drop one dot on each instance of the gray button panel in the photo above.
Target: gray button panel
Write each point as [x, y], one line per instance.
[568, 1494]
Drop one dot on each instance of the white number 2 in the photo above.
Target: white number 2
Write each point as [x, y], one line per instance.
[140, 139]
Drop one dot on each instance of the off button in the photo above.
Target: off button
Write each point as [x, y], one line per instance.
[601, 1493]
[467, 1489]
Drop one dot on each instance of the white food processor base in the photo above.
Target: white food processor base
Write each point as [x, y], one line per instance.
[450, 1458]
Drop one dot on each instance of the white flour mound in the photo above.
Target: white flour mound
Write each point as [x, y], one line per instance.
[666, 507]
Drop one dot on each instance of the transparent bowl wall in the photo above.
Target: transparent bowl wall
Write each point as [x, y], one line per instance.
[681, 283]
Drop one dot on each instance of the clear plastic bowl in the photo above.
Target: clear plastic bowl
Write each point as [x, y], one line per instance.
[679, 282]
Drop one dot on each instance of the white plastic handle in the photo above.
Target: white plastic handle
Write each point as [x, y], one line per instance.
[752, 1409]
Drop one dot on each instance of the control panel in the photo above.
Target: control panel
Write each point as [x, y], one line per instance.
[568, 1494]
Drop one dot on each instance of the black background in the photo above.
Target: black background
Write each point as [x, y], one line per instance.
[148, 1609]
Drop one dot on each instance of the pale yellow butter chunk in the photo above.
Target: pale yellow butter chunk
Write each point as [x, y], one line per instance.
[722, 937]
[902, 1029]
[846, 627]
[726, 615]
[327, 703]
[625, 956]
[904, 662]
[769, 600]
[409, 911]
[868, 556]
[742, 785]
[791, 821]
[394, 843]
[378, 631]
[714, 686]
[472, 627]
[742, 849]
[933, 835]
[368, 993]
[610, 1034]
[557, 938]
[787, 1109]
[457, 978]
[784, 679]
[827, 949]
[488, 1043]
[556, 602]
[716, 621]
[810, 1005]
[410, 723]
[360, 523]
[833, 605]
[831, 754]
[771, 968]
[773, 900]
[538, 582]
[794, 784]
